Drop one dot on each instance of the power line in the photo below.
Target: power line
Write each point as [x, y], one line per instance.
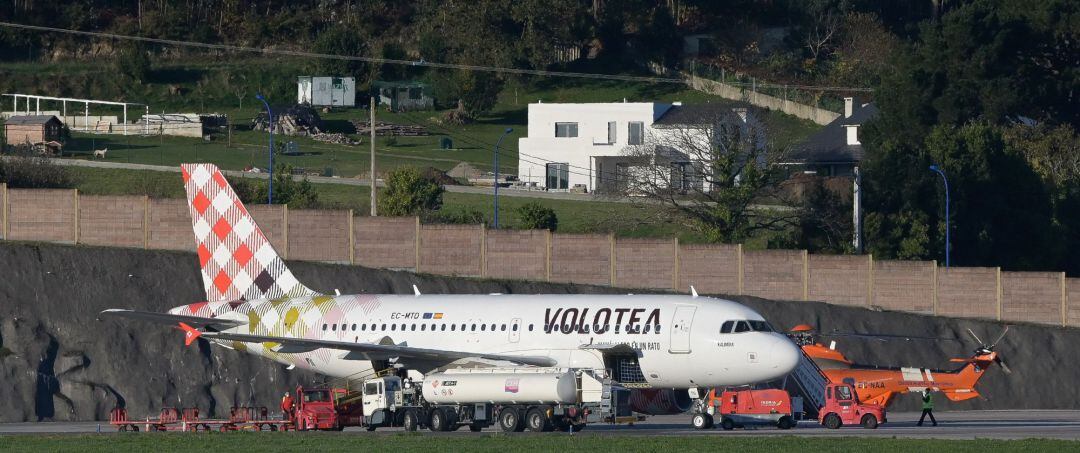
[415, 63]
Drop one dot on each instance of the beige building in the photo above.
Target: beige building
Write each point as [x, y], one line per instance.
[32, 129]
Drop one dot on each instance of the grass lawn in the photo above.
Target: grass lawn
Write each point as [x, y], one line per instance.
[473, 143]
[426, 442]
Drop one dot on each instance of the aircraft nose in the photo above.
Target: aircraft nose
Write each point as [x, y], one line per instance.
[784, 356]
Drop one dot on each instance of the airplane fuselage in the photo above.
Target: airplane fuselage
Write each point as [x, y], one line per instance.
[677, 339]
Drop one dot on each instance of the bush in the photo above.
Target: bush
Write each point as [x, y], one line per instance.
[408, 192]
[459, 216]
[535, 216]
[297, 194]
[32, 172]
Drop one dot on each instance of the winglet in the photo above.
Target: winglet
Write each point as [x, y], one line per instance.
[416, 291]
[693, 292]
[190, 334]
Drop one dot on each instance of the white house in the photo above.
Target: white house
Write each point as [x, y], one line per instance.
[588, 146]
[326, 91]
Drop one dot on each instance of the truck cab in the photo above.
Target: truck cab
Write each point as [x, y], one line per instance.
[381, 400]
[315, 409]
[842, 407]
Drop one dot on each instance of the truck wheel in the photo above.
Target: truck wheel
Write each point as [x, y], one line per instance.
[785, 422]
[475, 428]
[439, 421]
[869, 421]
[510, 420]
[370, 427]
[832, 421]
[410, 421]
[537, 421]
[727, 424]
[702, 421]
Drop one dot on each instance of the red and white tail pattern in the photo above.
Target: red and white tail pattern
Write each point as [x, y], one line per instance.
[236, 259]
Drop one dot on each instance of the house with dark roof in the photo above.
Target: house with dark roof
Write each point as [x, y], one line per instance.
[835, 150]
[597, 146]
[32, 129]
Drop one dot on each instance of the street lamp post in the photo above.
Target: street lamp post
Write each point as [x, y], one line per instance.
[938, 170]
[270, 129]
[501, 137]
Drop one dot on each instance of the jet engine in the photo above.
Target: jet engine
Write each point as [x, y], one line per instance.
[660, 401]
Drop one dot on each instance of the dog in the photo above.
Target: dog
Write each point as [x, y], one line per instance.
[100, 152]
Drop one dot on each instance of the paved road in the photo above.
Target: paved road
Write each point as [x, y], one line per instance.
[953, 425]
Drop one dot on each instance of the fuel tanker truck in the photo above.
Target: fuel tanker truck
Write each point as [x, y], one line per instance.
[539, 399]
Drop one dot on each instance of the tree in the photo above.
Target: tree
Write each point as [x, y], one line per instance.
[408, 192]
[133, 62]
[535, 216]
[713, 173]
[342, 39]
[1000, 210]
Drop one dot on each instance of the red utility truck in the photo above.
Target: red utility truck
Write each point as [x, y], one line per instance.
[324, 409]
[745, 407]
[842, 407]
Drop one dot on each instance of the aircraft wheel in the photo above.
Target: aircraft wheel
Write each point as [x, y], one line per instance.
[785, 422]
[727, 424]
[832, 421]
[702, 421]
[869, 421]
[510, 420]
[537, 421]
[475, 428]
[410, 421]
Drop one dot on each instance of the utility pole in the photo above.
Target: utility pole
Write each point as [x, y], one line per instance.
[374, 190]
[857, 241]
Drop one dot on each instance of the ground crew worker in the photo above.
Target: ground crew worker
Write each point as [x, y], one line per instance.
[927, 407]
[287, 405]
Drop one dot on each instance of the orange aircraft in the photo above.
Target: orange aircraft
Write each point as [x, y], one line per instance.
[879, 385]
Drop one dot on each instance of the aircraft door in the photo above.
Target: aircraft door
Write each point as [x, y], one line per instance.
[515, 330]
[680, 329]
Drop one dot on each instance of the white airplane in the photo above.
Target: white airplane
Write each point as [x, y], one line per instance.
[255, 304]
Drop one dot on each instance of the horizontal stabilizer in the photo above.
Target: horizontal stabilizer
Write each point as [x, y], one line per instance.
[366, 351]
[961, 394]
[171, 319]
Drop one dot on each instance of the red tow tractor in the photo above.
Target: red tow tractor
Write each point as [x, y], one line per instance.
[842, 407]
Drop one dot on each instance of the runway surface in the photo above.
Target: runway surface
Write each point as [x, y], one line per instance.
[1020, 424]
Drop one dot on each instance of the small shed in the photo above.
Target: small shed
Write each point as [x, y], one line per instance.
[326, 91]
[32, 129]
[404, 96]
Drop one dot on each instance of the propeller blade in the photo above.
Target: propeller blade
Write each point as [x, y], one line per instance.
[886, 336]
[976, 337]
[1004, 367]
[1003, 332]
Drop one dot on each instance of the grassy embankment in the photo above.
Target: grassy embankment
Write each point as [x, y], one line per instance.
[220, 86]
[497, 442]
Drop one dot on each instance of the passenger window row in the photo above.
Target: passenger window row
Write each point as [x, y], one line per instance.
[442, 327]
[745, 326]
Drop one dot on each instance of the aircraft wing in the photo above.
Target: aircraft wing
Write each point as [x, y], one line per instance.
[371, 351]
[166, 318]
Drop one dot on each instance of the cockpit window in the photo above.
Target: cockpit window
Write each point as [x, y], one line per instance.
[760, 326]
[742, 326]
[728, 325]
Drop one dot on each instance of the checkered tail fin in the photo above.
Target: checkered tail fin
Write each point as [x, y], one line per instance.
[236, 259]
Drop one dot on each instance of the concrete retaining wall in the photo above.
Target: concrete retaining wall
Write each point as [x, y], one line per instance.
[470, 250]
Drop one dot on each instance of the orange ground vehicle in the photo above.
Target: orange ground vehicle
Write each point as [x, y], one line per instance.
[879, 385]
[745, 407]
[842, 407]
